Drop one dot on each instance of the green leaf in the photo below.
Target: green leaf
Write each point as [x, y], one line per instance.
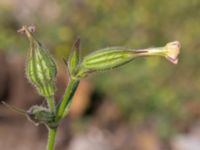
[74, 58]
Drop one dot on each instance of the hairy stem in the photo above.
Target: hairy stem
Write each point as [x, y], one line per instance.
[51, 138]
[61, 111]
[66, 100]
[51, 103]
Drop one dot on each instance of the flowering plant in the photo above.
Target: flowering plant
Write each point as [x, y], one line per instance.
[41, 72]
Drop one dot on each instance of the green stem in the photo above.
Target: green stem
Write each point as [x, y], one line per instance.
[51, 103]
[66, 100]
[51, 138]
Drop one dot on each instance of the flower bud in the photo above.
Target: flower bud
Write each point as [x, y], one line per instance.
[40, 115]
[113, 57]
[40, 67]
[74, 59]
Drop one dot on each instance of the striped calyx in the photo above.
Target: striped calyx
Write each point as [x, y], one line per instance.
[113, 57]
[105, 59]
[40, 66]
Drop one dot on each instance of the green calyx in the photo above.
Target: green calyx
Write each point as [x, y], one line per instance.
[40, 67]
[41, 115]
[74, 59]
[113, 57]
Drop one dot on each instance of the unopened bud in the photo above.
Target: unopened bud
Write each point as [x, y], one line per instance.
[74, 59]
[40, 115]
[40, 67]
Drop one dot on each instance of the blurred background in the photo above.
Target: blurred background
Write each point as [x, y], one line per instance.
[148, 104]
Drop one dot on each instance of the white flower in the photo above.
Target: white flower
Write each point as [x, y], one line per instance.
[172, 51]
